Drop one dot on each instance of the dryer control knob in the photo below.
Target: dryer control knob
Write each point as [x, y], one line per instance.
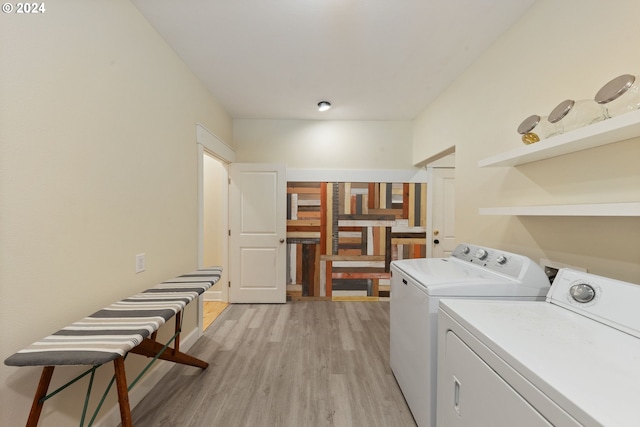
[582, 292]
[466, 250]
[502, 260]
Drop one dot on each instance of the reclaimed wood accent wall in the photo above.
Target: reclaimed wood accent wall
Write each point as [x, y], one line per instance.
[342, 236]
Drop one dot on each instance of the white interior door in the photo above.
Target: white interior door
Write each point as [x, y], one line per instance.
[257, 218]
[443, 229]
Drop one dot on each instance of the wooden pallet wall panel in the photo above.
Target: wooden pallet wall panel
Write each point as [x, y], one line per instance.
[353, 221]
[417, 204]
[405, 200]
[345, 198]
[290, 204]
[371, 195]
[423, 204]
[299, 263]
[316, 275]
[412, 205]
[387, 260]
[336, 200]
[308, 270]
[323, 218]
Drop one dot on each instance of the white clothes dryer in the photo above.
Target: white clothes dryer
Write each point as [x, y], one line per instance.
[417, 285]
[573, 360]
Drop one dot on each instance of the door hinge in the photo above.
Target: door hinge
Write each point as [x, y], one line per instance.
[229, 232]
[229, 179]
[229, 283]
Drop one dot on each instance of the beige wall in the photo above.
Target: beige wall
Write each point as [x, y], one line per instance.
[215, 190]
[325, 144]
[559, 50]
[98, 162]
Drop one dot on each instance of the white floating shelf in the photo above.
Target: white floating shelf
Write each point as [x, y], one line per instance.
[612, 130]
[592, 209]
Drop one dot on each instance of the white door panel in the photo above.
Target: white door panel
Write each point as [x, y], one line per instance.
[258, 233]
[262, 272]
[444, 212]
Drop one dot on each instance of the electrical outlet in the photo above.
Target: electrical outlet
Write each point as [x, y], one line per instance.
[551, 268]
[140, 263]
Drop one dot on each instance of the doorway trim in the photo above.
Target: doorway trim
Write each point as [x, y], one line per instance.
[208, 143]
[446, 160]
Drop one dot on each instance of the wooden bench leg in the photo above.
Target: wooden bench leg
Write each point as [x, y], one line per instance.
[41, 392]
[151, 348]
[176, 342]
[123, 393]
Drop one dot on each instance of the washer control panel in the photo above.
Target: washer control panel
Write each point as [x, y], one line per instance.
[493, 259]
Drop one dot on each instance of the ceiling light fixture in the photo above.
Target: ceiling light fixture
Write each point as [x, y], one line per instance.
[324, 105]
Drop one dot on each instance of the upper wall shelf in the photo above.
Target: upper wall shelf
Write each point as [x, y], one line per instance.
[593, 209]
[612, 130]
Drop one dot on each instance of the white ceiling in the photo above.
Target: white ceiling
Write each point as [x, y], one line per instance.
[372, 59]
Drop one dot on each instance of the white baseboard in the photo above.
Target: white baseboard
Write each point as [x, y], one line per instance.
[213, 296]
[146, 383]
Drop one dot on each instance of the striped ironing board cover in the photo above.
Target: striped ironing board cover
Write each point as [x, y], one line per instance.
[113, 331]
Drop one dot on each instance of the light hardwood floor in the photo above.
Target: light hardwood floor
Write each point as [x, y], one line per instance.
[211, 310]
[295, 364]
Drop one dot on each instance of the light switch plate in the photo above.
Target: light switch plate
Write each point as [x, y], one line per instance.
[141, 263]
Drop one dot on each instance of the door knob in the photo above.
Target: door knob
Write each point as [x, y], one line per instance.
[436, 241]
[281, 240]
[436, 232]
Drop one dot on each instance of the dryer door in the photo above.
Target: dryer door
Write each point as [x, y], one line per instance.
[471, 394]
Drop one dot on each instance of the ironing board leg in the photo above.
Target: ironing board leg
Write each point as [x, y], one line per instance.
[41, 392]
[123, 393]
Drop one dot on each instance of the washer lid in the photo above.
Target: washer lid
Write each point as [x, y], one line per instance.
[589, 369]
[442, 277]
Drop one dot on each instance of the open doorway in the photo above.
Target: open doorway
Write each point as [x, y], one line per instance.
[215, 190]
[214, 157]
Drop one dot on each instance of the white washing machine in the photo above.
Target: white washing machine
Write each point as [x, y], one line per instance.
[416, 288]
[573, 360]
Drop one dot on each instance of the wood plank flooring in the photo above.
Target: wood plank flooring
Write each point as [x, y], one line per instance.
[295, 364]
